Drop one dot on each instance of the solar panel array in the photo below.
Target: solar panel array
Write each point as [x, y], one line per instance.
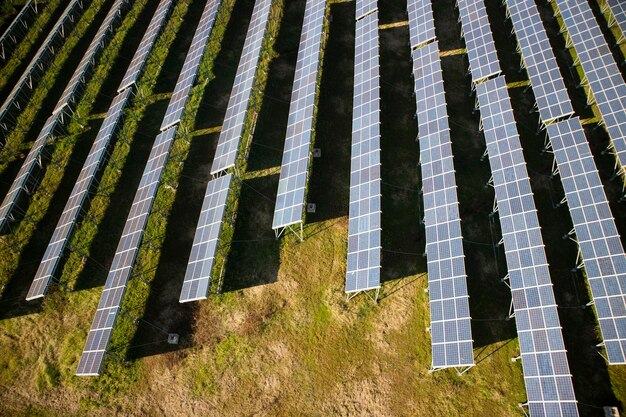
[43, 57]
[364, 227]
[232, 128]
[12, 33]
[602, 73]
[421, 22]
[447, 280]
[21, 181]
[110, 303]
[600, 246]
[544, 359]
[85, 63]
[65, 225]
[111, 300]
[190, 67]
[146, 44]
[481, 49]
[198, 275]
[618, 10]
[553, 101]
[296, 154]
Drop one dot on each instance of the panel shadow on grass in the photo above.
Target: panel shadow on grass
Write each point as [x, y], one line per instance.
[111, 226]
[163, 311]
[402, 231]
[254, 253]
[329, 180]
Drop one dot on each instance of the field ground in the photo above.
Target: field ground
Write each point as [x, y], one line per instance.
[281, 339]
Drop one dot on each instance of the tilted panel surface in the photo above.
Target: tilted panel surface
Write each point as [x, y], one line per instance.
[547, 377]
[296, 155]
[602, 73]
[364, 227]
[190, 68]
[481, 49]
[206, 240]
[553, 102]
[232, 128]
[600, 245]
[421, 22]
[146, 44]
[450, 326]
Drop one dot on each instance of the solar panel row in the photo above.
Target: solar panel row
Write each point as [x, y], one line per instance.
[63, 230]
[190, 68]
[450, 326]
[421, 22]
[87, 61]
[618, 11]
[92, 358]
[111, 300]
[21, 182]
[15, 32]
[544, 359]
[232, 128]
[552, 99]
[206, 240]
[602, 73]
[600, 245]
[296, 155]
[38, 64]
[481, 49]
[145, 46]
[364, 227]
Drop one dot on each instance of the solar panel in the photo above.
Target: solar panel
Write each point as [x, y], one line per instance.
[43, 56]
[365, 7]
[544, 359]
[232, 128]
[85, 63]
[190, 67]
[602, 73]
[111, 300]
[206, 240]
[65, 225]
[421, 22]
[296, 154]
[481, 49]
[618, 10]
[14, 33]
[450, 326]
[364, 229]
[552, 99]
[600, 246]
[146, 44]
[21, 181]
